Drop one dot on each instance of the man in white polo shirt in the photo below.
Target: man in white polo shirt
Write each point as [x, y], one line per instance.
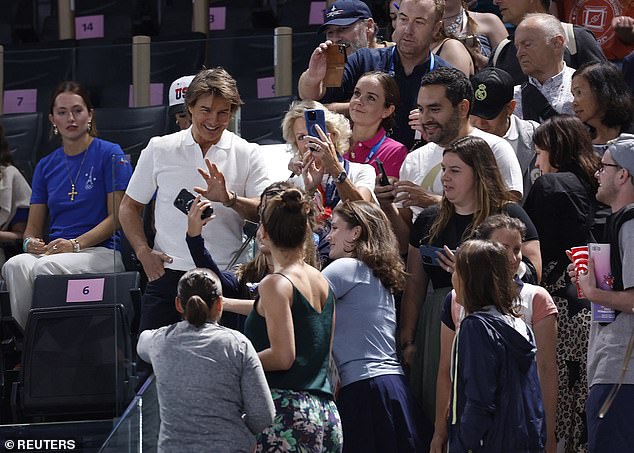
[233, 180]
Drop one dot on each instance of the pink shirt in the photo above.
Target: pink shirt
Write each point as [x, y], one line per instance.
[541, 306]
[391, 153]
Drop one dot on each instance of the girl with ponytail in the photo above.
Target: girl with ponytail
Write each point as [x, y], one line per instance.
[196, 360]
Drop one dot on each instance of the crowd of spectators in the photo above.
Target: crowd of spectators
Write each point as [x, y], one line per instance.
[411, 286]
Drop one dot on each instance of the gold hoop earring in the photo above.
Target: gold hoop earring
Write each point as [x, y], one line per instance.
[55, 131]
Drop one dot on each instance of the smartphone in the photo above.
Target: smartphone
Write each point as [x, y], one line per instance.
[384, 181]
[335, 65]
[315, 117]
[184, 201]
[429, 256]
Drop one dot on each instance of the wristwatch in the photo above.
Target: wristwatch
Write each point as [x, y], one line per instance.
[342, 177]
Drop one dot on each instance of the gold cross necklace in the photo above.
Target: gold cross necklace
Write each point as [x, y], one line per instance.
[73, 192]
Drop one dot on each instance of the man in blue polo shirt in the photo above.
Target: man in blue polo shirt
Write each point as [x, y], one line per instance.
[417, 22]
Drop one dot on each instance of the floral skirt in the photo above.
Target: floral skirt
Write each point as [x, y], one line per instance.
[303, 423]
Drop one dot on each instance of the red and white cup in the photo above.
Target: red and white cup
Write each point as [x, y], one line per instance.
[580, 260]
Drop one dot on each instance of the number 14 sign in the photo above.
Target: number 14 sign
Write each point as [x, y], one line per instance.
[87, 27]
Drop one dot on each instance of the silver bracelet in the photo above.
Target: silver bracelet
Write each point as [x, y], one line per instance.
[76, 246]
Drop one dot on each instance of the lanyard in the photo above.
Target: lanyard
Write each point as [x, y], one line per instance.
[374, 149]
[392, 72]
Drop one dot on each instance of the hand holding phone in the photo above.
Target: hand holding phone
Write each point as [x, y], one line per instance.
[429, 254]
[315, 117]
[184, 201]
[335, 64]
[384, 181]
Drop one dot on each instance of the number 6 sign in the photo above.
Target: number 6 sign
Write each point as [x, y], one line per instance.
[85, 290]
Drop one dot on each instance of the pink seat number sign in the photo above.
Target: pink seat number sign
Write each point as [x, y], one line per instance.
[266, 87]
[316, 15]
[218, 18]
[20, 101]
[85, 290]
[87, 27]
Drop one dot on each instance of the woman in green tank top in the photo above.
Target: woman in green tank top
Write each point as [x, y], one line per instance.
[291, 328]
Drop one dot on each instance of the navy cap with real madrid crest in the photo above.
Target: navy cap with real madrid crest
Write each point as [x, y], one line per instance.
[345, 12]
[492, 90]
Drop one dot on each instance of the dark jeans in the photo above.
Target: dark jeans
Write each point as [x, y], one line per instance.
[157, 310]
[157, 304]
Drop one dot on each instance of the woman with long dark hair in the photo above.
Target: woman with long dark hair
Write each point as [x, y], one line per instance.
[562, 206]
[291, 327]
[538, 311]
[603, 101]
[78, 188]
[473, 190]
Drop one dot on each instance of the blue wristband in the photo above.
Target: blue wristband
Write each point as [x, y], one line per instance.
[25, 244]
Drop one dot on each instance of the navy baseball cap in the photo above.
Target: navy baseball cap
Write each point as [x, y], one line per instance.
[345, 12]
[492, 90]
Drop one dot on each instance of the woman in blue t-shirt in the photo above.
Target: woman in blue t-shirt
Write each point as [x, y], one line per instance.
[365, 273]
[77, 188]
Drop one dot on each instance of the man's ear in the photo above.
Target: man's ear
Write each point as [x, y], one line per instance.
[463, 108]
[437, 26]
[559, 42]
[371, 28]
[625, 176]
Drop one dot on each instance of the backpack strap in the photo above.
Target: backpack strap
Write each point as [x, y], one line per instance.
[498, 50]
[571, 41]
[534, 105]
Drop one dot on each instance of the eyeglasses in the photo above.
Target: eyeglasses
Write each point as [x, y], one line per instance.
[603, 165]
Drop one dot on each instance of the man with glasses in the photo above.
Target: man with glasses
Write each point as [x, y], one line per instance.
[611, 395]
